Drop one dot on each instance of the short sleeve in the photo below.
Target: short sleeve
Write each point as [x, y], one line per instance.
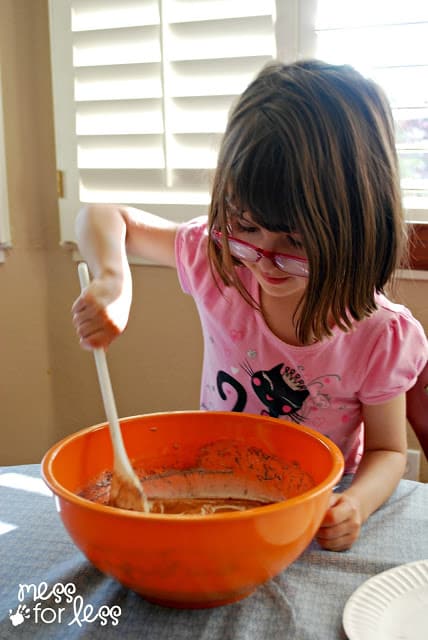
[399, 354]
[191, 253]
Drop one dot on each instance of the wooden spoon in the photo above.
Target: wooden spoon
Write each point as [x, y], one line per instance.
[126, 491]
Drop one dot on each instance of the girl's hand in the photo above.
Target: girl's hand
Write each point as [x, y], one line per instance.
[101, 311]
[379, 472]
[342, 523]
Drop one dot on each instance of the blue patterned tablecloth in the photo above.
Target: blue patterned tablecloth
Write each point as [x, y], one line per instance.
[305, 602]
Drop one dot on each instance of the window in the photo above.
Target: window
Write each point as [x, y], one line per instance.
[388, 40]
[142, 88]
[4, 206]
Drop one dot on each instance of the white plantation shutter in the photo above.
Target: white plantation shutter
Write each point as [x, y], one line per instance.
[142, 90]
[388, 41]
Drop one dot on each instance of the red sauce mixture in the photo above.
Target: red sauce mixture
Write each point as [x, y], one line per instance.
[99, 491]
[225, 476]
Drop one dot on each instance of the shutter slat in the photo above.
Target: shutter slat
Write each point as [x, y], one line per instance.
[118, 82]
[214, 77]
[111, 14]
[194, 151]
[188, 151]
[121, 152]
[103, 118]
[144, 186]
[188, 115]
[203, 41]
[118, 46]
[207, 10]
[200, 114]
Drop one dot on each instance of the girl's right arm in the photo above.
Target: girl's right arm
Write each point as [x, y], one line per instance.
[105, 234]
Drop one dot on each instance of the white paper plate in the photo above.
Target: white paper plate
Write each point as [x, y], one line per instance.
[392, 605]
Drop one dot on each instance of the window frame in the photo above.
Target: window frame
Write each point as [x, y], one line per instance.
[5, 236]
[418, 246]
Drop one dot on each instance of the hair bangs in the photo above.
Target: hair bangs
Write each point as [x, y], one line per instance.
[261, 182]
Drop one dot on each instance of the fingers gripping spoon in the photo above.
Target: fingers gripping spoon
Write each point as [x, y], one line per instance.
[126, 491]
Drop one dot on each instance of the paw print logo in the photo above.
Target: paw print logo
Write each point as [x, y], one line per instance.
[22, 612]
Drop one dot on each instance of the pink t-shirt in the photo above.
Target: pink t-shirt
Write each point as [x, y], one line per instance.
[323, 385]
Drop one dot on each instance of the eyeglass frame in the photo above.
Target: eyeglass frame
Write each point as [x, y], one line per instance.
[217, 237]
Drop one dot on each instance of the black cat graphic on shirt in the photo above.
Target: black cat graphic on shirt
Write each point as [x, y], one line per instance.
[281, 389]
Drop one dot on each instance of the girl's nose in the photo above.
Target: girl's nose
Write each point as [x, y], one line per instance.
[267, 261]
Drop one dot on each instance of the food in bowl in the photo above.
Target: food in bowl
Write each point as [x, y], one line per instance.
[198, 560]
[225, 476]
[98, 491]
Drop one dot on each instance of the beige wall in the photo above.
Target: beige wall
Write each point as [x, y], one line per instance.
[48, 384]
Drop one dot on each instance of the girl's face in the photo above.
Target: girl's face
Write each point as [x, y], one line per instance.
[273, 281]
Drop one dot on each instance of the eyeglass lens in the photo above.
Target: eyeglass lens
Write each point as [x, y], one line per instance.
[250, 254]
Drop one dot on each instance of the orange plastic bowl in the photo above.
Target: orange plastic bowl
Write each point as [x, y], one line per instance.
[194, 561]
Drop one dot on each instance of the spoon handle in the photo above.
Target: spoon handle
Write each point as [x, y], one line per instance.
[122, 463]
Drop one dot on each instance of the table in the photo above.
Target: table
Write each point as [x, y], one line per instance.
[305, 602]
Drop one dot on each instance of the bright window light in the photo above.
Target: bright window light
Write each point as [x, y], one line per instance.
[24, 483]
[5, 527]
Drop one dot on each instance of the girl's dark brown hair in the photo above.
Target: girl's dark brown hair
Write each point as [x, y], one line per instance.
[309, 147]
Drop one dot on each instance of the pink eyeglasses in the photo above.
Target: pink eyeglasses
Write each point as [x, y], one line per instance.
[249, 253]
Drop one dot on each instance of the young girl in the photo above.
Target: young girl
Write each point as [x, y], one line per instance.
[304, 231]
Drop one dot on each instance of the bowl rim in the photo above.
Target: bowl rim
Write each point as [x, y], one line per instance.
[60, 491]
